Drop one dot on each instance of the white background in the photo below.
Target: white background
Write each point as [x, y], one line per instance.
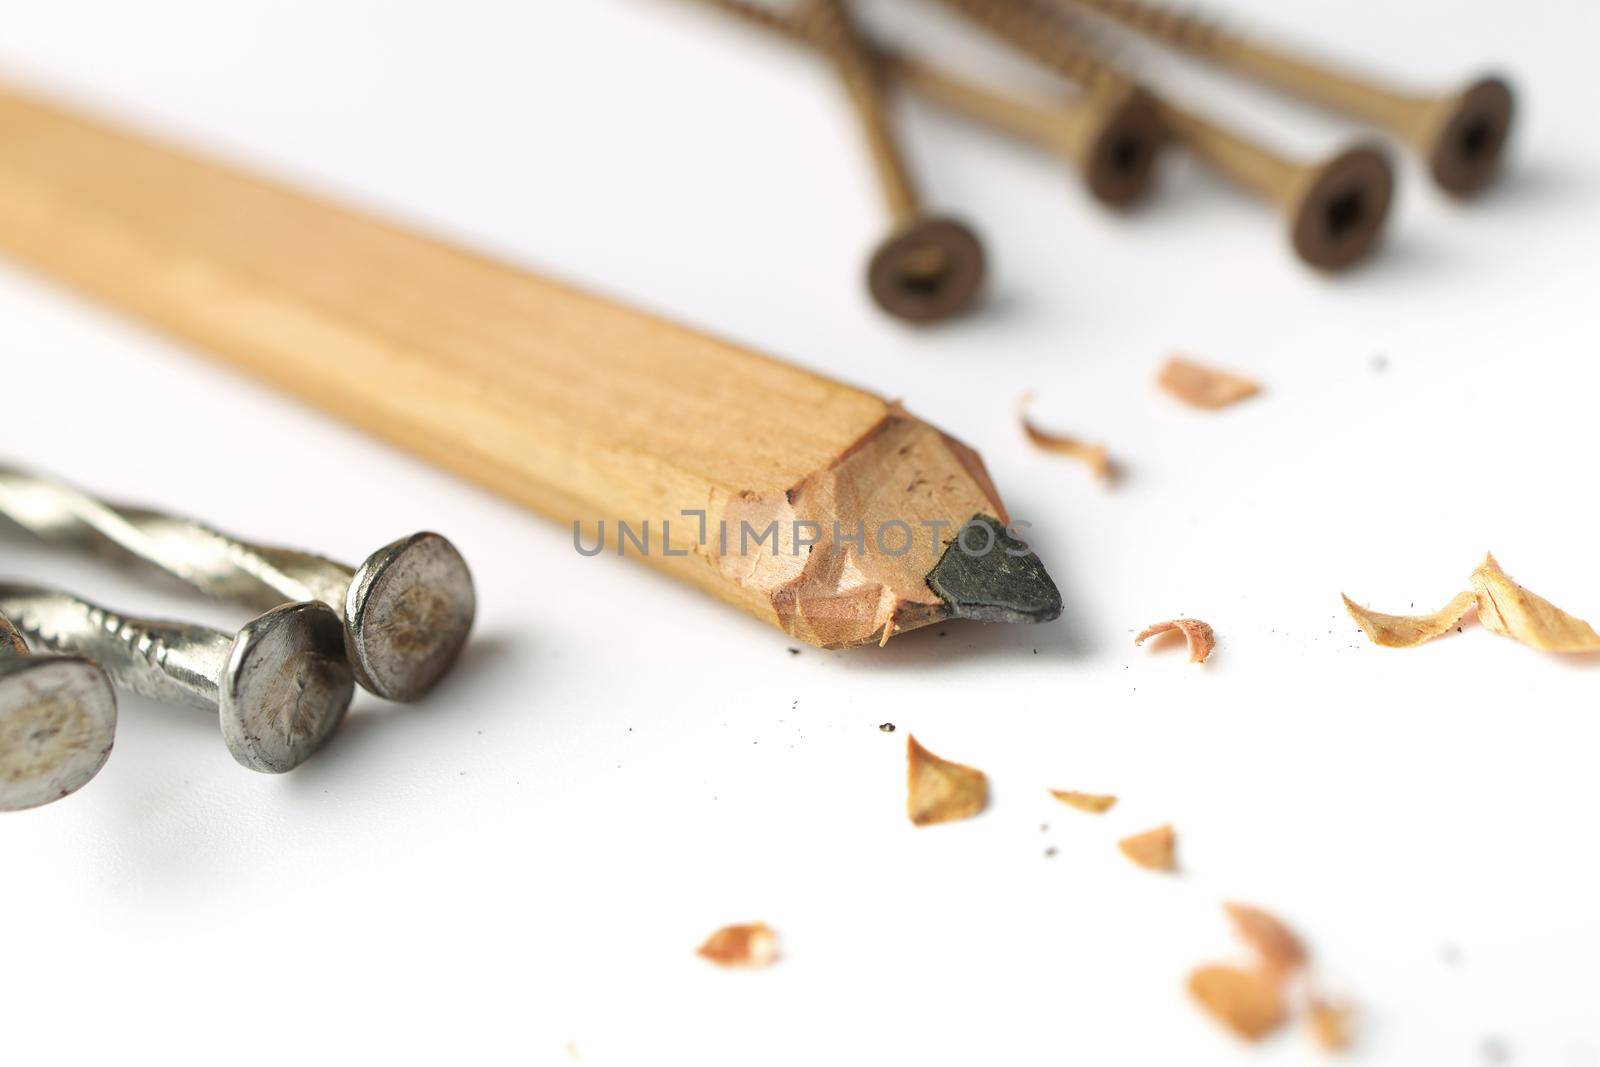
[528, 858]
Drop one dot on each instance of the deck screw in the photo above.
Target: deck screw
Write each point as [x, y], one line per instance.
[929, 267]
[1111, 138]
[58, 717]
[279, 687]
[407, 609]
[1111, 135]
[1461, 134]
[1336, 209]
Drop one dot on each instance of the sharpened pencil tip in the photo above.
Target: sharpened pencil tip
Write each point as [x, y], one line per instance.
[1002, 582]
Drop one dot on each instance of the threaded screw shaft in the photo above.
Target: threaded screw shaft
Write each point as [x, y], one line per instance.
[1461, 134]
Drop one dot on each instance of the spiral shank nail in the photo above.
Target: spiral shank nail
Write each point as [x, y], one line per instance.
[166, 661]
[1036, 27]
[216, 564]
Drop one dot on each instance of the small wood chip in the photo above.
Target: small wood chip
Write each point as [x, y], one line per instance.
[1408, 631]
[742, 945]
[1202, 639]
[1092, 455]
[1154, 849]
[1329, 1023]
[1204, 387]
[1094, 803]
[1247, 1002]
[1280, 950]
[940, 791]
[1506, 608]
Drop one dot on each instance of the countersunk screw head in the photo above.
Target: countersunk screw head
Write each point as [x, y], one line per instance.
[1460, 135]
[929, 269]
[409, 610]
[1468, 136]
[1339, 213]
[1123, 143]
[286, 687]
[58, 717]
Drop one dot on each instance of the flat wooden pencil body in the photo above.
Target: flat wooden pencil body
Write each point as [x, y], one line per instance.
[580, 408]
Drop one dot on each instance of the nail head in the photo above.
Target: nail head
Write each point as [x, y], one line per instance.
[286, 688]
[409, 609]
[58, 717]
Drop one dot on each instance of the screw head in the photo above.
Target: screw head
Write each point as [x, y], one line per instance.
[58, 717]
[1468, 137]
[1124, 140]
[409, 610]
[929, 269]
[286, 688]
[1340, 212]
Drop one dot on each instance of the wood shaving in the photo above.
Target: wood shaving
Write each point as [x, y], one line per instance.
[1247, 1002]
[1329, 1023]
[1094, 803]
[938, 790]
[742, 945]
[1201, 637]
[1408, 631]
[1092, 455]
[1503, 607]
[1153, 850]
[1506, 608]
[1280, 950]
[1203, 387]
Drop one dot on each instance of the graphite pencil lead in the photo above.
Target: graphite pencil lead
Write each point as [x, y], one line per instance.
[1005, 582]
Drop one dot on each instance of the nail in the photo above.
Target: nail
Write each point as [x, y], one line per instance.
[1110, 138]
[279, 687]
[1461, 135]
[929, 267]
[407, 608]
[1336, 210]
[58, 717]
